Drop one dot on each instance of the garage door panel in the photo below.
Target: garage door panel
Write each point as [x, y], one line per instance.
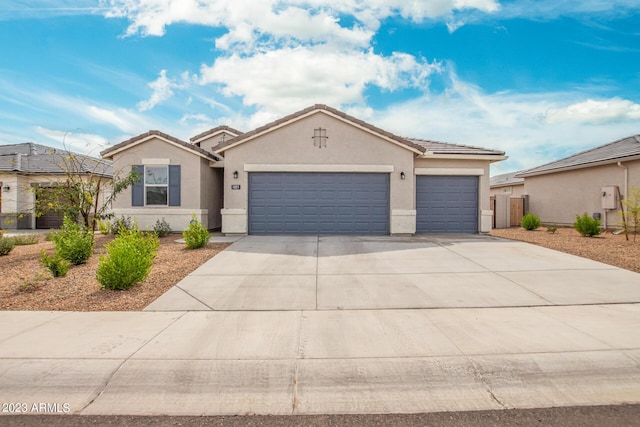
[328, 203]
[447, 204]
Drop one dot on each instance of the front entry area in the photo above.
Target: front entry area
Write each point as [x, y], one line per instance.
[318, 203]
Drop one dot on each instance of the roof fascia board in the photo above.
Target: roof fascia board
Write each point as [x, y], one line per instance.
[581, 166]
[149, 137]
[490, 157]
[310, 113]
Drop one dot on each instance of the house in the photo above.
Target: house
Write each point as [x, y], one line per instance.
[315, 171]
[27, 165]
[590, 181]
[506, 183]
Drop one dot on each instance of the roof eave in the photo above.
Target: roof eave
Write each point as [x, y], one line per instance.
[109, 153]
[526, 174]
[490, 157]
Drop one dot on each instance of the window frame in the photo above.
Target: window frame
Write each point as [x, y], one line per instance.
[145, 185]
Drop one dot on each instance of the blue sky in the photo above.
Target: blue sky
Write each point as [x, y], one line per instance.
[539, 79]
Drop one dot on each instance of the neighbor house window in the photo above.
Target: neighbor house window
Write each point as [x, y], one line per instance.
[156, 185]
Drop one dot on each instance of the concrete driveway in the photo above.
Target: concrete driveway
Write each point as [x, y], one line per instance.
[351, 272]
[335, 325]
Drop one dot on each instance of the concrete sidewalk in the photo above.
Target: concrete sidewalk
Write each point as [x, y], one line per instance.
[321, 362]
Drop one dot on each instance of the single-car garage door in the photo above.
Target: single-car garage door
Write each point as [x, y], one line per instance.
[314, 203]
[447, 204]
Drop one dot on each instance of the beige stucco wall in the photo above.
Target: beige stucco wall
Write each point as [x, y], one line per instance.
[558, 197]
[292, 146]
[193, 194]
[478, 168]
[18, 204]
[516, 190]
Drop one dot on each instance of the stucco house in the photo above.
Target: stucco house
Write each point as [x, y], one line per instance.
[27, 165]
[318, 170]
[506, 183]
[584, 182]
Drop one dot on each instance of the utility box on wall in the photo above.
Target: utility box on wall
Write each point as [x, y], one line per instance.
[610, 197]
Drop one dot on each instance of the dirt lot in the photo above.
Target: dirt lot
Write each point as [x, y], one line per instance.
[26, 285]
[606, 248]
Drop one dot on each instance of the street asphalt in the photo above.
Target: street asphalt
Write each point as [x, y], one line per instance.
[326, 325]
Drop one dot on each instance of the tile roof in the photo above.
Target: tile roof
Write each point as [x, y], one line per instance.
[195, 149]
[612, 152]
[436, 147]
[31, 158]
[215, 130]
[505, 179]
[319, 107]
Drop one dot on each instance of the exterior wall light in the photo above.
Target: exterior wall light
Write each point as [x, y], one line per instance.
[6, 188]
[235, 174]
[402, 175]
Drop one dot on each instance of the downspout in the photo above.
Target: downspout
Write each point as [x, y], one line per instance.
[626, 184]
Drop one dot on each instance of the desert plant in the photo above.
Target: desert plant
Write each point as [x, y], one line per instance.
[632, 206]
[122, 225]
[162, 228]
[530, 221]
[128, 261]
[74, 242]
[6, 245]
[25, 239]
[195, 236]
[552, 229]
[56, 265]
[104, 227]
[587, 226]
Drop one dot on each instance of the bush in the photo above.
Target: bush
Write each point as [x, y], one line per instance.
[25, 239]
[552, 229]
[6, 245]
[128, 261]
[122, 225]
[56, 265]
[195, 236]
[104, 227]
[73, 242]
[162, 228]
[586, 225]
[530, 221]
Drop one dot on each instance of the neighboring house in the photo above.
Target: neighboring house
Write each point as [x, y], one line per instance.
[315, 171]
[584, 182]
[507, 183]
[25, 166]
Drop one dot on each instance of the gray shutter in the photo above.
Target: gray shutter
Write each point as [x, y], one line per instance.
[174, 185]
[137, 189]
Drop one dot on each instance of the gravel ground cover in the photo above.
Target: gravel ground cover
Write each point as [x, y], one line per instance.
[607, 248]
[26, 285]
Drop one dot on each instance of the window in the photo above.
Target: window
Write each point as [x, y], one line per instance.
[156, 185]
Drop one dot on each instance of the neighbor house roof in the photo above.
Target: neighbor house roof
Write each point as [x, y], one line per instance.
[435, 147]
[506, 179]
[219, 129]
[109, 152]
[617, 151]
[419, 149]
[30, 158]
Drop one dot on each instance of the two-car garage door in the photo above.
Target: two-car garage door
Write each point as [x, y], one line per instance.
[318, 203]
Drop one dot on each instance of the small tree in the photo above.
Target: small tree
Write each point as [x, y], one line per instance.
[79, 194]
[632, 208]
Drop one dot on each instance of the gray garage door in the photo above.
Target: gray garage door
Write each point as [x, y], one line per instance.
[314, 203]
[447, 204]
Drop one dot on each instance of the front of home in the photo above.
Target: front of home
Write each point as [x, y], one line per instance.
[317, 171]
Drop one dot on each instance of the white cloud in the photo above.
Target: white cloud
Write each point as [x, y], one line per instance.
[592, 111]
[162, 90]
[79, 142]
[285, 79]
[552, 9]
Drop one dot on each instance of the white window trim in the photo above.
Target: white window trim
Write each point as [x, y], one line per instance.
[155, 185]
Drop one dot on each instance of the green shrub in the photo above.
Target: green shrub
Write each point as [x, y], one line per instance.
[73, 242]
[122, 225]
[530, 221]
[56, 265]
[104, 227]
[552, 229]
[162, 228]
[6, 245]
[586, 225]
[25, 239]
[128, 261]
[195, 236]
[51, 235]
